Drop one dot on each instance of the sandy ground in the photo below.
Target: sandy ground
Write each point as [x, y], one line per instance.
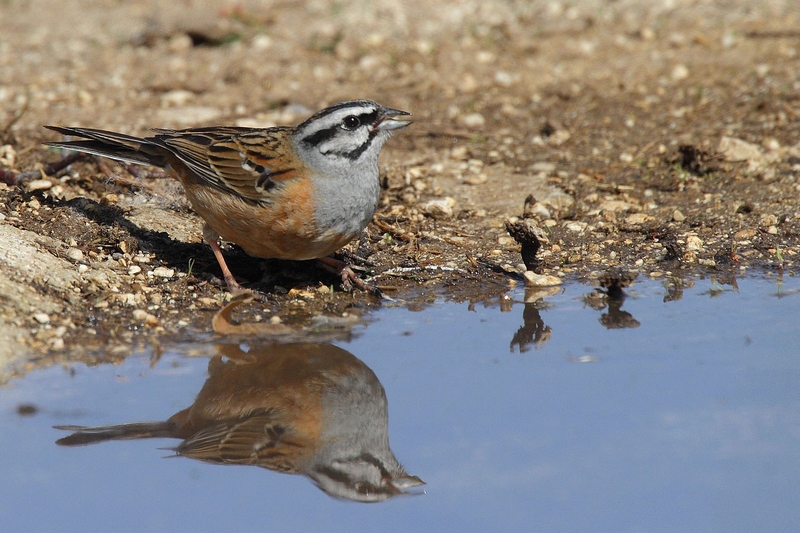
[653, 138]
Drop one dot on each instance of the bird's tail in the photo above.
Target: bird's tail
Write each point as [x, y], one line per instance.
[112, 145]
[84, 435]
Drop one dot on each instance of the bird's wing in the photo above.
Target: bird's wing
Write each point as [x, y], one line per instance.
[247, 162]
[256, 440]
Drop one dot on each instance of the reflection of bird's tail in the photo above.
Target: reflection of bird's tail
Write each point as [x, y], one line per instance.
[84, 435]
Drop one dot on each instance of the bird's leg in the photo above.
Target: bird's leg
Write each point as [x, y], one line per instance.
[349, 278]
[212, 239]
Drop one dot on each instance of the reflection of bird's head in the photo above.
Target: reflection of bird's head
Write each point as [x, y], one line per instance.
[365, 478]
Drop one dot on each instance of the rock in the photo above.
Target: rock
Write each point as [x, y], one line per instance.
[543, 166]
[473, 120]
[677, 216]
[694, 243]
[638, 218]
[477, 179]
[576, 227]
[553, 197]
[767, 220]
[733, 149]
[38, 185]
[534, 209]
[440, 208]
[618, 206]
[744, 234]
[176, 98]
[41, 318]
[162, 272]
[679, 72]
[533, 279]
[74, 255]
[8, 156]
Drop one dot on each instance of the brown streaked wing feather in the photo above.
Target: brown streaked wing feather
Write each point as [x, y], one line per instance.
[227, 442]
[258, 439]
[228, 158]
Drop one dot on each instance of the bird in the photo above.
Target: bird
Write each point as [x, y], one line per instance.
[293, 192]
[299, 408]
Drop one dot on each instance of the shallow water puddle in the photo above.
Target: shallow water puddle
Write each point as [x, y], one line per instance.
[676, 410]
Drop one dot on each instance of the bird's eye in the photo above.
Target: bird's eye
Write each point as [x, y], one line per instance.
[351, 122]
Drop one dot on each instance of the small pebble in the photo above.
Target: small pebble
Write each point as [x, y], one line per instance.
[617, 206]
[680, 72]
[576, 227]
[474, 120]
[42, 318]
[532, 279]
[162, 272]
[694, 243]
[744, 234]
[637, 218]
[440, 208]
[176, 98]
[38, 185]
[75, 255]
[8, 156]
[543, 166]
[733, 149]
[57, 344]
[476, 180]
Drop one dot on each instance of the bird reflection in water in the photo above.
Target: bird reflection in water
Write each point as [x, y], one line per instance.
[311, 409]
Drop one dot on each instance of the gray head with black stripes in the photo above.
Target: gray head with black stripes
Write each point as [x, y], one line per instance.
[346, 135]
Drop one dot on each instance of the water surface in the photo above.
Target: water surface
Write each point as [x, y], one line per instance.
[677, 411]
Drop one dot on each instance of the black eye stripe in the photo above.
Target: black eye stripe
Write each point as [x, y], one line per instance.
[368, 118]
[323, 135]
[319, 137]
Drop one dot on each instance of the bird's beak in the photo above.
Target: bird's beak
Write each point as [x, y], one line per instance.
[393, 119]
[402, 484]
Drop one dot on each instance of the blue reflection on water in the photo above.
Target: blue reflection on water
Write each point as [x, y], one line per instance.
[690, 421]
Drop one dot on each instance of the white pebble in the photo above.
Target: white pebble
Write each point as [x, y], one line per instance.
[694, 243]
[38, 185]
[75, 255]
[162, 272]
[680, 72]
[176, 98]
[440, 208]
[473, 120]
[533, 279]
